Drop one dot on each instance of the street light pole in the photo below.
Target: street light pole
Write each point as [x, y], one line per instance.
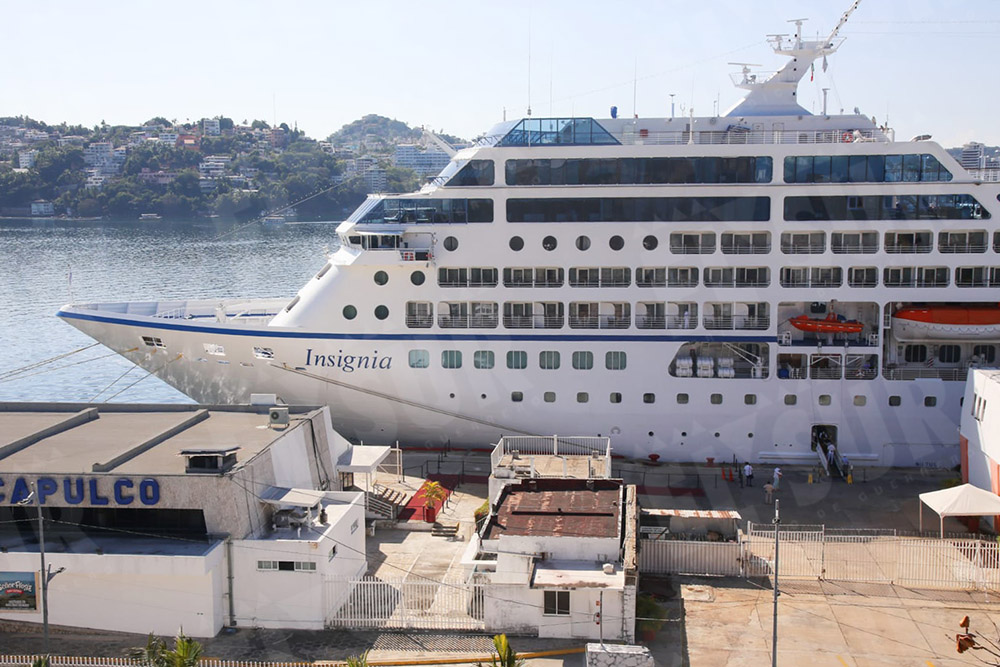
[44, 574]
[774, 627]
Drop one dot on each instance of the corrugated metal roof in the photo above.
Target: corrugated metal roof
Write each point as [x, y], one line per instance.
[694, 514]
[558, 507]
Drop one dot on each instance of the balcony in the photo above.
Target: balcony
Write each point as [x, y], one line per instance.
[419, 321]
[961, 247]
[651, 322]
[854, 248]
[532, 322]
[741, 322]
[908, 248]
[803, 248]
[682, 321]
[754, 249]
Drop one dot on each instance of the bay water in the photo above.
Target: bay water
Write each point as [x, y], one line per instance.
[46, 264]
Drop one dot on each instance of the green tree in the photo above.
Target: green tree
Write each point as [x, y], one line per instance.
[504, 655]
[259, 125]
[187, 184]
[185, 653]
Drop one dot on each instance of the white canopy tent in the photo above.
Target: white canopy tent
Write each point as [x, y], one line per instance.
[964, 500]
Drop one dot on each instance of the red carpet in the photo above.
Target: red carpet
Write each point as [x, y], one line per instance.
[414, 510]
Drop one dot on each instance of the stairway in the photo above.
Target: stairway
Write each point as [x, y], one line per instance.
[385, 502]
[443, 530]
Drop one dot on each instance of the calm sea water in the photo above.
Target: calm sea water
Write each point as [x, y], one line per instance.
[44, 265]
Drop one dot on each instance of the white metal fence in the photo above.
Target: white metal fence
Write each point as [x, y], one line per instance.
[812, 552]
[93, 661]
[370, 602]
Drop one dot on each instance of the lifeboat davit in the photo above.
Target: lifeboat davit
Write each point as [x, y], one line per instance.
[946, 323]
[829, 324]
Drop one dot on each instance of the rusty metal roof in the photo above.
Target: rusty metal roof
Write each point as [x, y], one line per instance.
[694, 514]
[559, 508]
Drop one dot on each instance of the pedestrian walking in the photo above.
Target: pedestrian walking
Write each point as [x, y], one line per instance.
[748, 473]
[831, 453]
[777, 479]
[768, 493]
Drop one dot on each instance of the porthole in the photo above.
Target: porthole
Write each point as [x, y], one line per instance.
[450, 243]
[549, 243]
[417, 278]
[650, 434]
[549, 397]
[350, 312]
[516, 243]
[615, 397]
[582, 242]
[516, 396]
[749, 435]
[649, 398]
[682, 399]
[750, 399]
[824, 399]
[650, 242]
[791, 399]
[381, 312]
[582, 397]
[930, 401]
[684, 434]
[451, 395]
[860, 401]
[616, 242]
[895, 401]
[482, 396]
[716, 434]
[716, 399]
[381, 277]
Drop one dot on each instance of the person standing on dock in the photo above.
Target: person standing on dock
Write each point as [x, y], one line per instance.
[748, 473]
[777, 479]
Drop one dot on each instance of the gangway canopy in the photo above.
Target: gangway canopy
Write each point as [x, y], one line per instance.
[964, 500]
[362, 458]
[284, 496]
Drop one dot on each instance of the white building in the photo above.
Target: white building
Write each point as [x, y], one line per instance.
[98, 153]
[424, 161]
[169, 138]
[979, 432]
[26, 159]
[210, 127]
[179, 516]
[42, 207]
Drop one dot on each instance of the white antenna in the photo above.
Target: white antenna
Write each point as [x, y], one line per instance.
[672, 105]
[635, 85]
[529, 64]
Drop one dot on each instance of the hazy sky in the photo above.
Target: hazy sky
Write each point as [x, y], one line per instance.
[929, 65]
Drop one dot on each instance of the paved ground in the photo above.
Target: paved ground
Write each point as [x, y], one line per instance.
[729, 623]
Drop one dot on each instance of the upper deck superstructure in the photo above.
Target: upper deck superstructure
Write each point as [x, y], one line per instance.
[744, 284]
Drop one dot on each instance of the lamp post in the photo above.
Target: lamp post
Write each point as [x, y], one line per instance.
[46, 574]
[774, 626]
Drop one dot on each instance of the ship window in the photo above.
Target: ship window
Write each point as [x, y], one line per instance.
[803, 243]
[517, 359]
[649, 398]
[745, 243]
[651, 276]
[420, 359]
[614, 276]
[862, 276]
[716, 399]
[516, 396]
[949, 354]
[263, 353]
[616, 242]
[682, 399]
[153, 341]
[750, 399]
[615, 397]
[791, 399]
[482, 277]
[516, 243]
[483, 359]
[381, 277]
[475, 172]
[350, 312]
[682, 276]
[915, 353]
[860, 401]
[635, 171]
[640, 209]
[864, 169]
[984, 354]
[687, 243]
[930, 401]
[615, 361]
[421, 211]
[549, 397]
[214, 349]
[450, 243]
[854, 242]
[970, 276]
[895, 401]
[417, 278]
[582, 242]
[582, 397]
[451, 359]
[548, 359]
[650, 242]
[890, 207]
[824, 399]
[381, 312]
[583, 361]
[549, 243]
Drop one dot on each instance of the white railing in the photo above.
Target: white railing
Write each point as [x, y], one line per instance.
[98, 661]
[523, 447]
[370, 602]
[988, 175]
[734, 136]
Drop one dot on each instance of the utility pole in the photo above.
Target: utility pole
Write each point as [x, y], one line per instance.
[774, 628]
[45, 575]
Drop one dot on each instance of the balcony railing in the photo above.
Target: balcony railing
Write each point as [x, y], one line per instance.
[825, 373]
[419, 321]
[615, 322]
[853, 248]
[650, 322]
[973, 282]
[737, 322]
[584, 282]
[692, 250]
[532, 322]
[921, 372]
[962, 247]
[682, 322]
[914, 282]
[860, 373]
[677, 282]
[656, 282]
[863, 282]
[578, 322]
[803, 249]
[736, 136]
[758, 249]
[908, 249]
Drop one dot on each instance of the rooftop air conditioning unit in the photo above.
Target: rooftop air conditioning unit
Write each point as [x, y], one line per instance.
[277, 416]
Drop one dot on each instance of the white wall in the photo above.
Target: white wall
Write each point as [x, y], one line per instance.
[131, 593]
[520, 609]
[603, 549]
[290, 456]
[983, 434]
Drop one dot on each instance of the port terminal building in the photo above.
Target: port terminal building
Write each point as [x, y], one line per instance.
[163, 517]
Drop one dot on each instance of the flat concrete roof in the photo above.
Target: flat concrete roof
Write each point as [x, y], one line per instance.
[575, 574]
[70, 438]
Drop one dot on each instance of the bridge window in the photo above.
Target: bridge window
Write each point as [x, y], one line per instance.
[639, 209]
[475, 172]
[864, 169]
[639, 171]
[890, 207]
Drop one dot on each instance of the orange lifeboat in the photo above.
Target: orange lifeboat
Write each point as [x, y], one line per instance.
[946, 323]
[829, 324]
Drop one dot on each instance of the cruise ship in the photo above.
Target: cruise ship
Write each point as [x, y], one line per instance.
[748, 285]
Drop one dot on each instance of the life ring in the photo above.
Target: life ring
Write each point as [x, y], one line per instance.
[847, 138]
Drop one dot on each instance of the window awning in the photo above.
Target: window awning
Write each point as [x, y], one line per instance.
[280, 495]
[362, 458]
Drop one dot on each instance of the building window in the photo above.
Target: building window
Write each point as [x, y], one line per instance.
[895, 401]
[682, 399]
[615, 397]
[286, 566]
[516, 396]
[517, 360]
[649, 398]
[420, 359]
[860, 401]
[549, 397]
[791, 399]
[556, 603]
[583, 361]
[615, 361]
[750, 399]
[984, 354]
[716, 399]
[482, 359]
[582, 397]
[451, 359]
[548, 359]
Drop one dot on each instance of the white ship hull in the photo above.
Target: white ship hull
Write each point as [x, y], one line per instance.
[387, 401]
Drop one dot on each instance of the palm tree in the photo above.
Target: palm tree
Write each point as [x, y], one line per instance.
[358, 660]
[505, 655]
[433, 492]
[186, 652]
